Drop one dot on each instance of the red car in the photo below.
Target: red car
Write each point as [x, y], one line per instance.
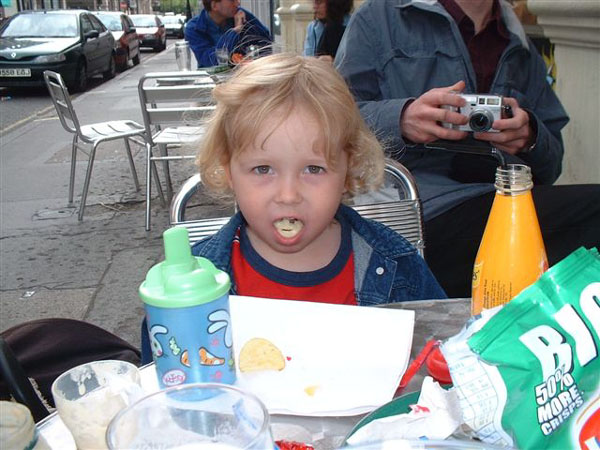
[151, 31]
[127, 46]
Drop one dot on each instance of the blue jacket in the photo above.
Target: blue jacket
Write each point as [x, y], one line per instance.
[314, 31]
[395, 50]
[387, 269]
[205, 36]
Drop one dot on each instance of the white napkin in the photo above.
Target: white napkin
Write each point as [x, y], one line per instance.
[340, 360]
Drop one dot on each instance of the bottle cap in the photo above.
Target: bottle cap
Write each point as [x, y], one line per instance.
[182, 279]
[438, 367]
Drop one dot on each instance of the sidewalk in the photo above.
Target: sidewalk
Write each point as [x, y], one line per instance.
[51, 265]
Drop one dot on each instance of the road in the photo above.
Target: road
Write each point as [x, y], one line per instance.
[18, 106]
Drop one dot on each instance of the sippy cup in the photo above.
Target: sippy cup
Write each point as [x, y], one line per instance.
[187, 311]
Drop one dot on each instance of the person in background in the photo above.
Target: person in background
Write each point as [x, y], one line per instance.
[287, 142]
[222, 24]
[404, 60]
[323, 35]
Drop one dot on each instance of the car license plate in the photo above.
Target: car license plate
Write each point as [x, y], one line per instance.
[15, 72]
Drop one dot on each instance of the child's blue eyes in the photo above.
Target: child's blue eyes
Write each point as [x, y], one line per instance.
[266, 170]
[262, 170]
[315, 169]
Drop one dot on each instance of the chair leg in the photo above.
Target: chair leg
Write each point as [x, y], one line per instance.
[73, 161]
[149, 166]
[163, 201]
[151, 171]
[132, 165]
[164, 152]
[86, 184]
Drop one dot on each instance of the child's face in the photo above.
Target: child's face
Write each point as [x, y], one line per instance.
[285, 188]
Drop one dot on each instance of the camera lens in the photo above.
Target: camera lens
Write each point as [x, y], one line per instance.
[481, 121]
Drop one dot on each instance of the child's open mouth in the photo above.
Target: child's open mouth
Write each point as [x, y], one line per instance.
[288, 227]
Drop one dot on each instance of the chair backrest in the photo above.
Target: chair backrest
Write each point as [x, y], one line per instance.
[62, 102]
[396, 205]
[174, 98]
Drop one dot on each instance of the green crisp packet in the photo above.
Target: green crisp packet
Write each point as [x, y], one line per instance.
[528, 374]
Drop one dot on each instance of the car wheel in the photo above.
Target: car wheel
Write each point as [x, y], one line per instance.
[136, 58]
[123, 66]
[112, 69]
[81, 80]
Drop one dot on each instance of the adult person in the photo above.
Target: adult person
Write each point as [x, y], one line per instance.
[403, 60]
[223, 24]
[323, 35]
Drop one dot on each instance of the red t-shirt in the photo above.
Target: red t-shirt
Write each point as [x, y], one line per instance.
[254, 276]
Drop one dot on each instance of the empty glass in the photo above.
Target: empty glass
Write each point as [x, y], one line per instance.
[222, 56]
[194, 416]
[183, 55]
[88, 396]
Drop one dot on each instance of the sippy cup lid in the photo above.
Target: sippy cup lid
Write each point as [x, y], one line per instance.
[182, 279]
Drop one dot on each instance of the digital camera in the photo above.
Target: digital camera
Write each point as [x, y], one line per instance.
[481, 110]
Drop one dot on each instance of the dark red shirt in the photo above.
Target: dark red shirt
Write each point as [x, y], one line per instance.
[485, 47]
[337, 287]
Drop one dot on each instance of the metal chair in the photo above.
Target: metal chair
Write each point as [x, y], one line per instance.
[89, 135]
[399, 207]
[174, 106]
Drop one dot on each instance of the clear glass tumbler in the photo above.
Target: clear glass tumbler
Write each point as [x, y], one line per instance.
[88, 396]
[222, 56]
[193, 416]
[183, 55]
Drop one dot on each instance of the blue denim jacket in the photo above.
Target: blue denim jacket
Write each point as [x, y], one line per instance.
[204, 36]
[387, 269]
[395, 50]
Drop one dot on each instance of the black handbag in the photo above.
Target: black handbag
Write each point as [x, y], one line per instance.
[33, 354]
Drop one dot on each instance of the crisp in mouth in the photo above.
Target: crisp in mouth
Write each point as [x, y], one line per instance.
[288, 227]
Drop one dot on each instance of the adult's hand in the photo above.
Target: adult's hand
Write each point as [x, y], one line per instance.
[515, 133]
[239, 20]
[420, 121]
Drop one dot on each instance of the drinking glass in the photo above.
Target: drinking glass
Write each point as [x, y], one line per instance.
[183, 55]
[88, 396]
[222, 56]
[193, 416]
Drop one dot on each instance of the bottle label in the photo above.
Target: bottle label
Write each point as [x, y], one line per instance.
[477, 274]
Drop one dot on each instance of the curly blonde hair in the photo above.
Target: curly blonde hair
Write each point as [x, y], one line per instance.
[254, 98]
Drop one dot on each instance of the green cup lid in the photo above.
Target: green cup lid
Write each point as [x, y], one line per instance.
[182, 280]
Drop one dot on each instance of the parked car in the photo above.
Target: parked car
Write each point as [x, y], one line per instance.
[73, 43]
[151, 31]
[127, 45]
[173, 26]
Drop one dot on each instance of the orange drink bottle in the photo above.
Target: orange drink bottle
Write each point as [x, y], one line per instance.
[511, 254]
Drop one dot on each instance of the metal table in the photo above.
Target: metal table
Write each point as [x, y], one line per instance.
[434, 319]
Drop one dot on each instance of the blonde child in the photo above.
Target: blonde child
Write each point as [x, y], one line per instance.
[288, 143]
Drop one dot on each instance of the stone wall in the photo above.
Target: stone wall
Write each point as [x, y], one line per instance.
[573, 26]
